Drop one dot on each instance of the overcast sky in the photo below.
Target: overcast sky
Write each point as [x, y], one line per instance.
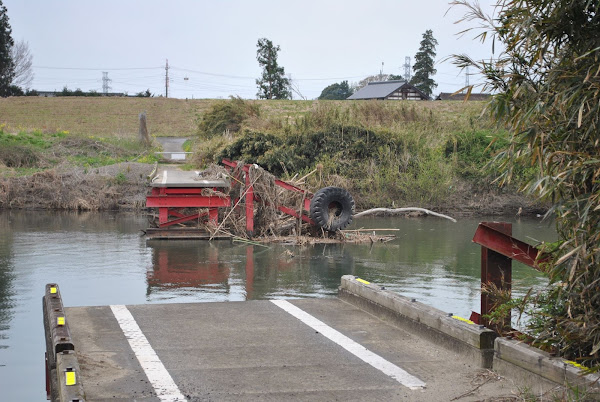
[211, 45]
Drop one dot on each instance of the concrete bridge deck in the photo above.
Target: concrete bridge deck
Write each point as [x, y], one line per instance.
[354, 347]
[258, 351]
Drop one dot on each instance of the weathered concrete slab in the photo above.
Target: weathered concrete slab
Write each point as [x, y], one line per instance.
[256, 350]
[473, 341]
[542, 369]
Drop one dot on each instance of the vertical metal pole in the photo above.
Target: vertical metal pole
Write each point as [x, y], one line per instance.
[213, 215]
[167, 79]
[163, 215]
[496, 269]
[249, 206]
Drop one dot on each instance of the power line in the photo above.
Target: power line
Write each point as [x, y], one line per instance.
[96, 69]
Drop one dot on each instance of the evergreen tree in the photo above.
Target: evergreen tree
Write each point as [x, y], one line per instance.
[7, 67]
[272, 84]
[424, 64]
[337, 91]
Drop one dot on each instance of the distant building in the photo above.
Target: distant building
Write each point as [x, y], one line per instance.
[461, 97]
[389, 90]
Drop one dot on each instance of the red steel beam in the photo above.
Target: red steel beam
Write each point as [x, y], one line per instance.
[293, 213]
[508, 246]
[187, 201]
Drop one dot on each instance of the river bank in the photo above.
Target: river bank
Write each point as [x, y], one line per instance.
[123, 187]
[432, 155]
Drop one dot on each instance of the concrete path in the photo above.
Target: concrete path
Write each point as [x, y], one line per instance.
[310, 349]
[172, 147]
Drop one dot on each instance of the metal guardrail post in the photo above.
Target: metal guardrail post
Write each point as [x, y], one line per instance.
[498, 249]
[496, 271]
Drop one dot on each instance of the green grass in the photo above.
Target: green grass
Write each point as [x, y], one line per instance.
[385, 153]
[27, 152]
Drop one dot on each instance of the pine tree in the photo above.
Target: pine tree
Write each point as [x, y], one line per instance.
[7, 67]
[424, 64]
[273, 84]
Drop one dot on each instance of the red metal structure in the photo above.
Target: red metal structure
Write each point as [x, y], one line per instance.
[250, 197]
[178, 190]
[170, 202]
[498, 249]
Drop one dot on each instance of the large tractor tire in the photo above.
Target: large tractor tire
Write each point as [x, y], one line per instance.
[332, 208]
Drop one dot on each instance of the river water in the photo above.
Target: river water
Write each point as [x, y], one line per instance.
[102, 259]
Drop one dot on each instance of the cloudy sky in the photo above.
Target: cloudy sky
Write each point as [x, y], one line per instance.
[211, 45]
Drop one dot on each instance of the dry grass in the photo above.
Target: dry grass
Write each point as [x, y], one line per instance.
[118, 117]
[101, 117]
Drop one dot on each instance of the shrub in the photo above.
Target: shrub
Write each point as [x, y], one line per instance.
[226, 116]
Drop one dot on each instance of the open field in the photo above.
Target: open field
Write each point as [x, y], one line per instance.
[118, 117]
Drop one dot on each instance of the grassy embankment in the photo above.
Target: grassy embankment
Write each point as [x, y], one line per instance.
[388, 154]
[429, 154]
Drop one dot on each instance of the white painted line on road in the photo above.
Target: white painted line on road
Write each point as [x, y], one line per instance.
[164, 180]
[159, 377]
[355, 348]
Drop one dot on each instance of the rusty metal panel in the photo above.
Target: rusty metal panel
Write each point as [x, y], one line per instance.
[493, 236]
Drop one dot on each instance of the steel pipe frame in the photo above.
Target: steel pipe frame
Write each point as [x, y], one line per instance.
[251, 197]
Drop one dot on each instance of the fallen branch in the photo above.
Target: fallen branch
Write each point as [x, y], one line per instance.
[399, 210]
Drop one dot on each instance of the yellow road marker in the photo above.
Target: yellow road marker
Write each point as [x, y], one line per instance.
[363, 281]
[52, 290]
[60, 321]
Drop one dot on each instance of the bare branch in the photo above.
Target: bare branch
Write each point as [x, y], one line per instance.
[23, 60]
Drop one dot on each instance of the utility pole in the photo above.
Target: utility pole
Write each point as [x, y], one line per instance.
[466, 77]
[407, 68]
[167, 79]
[381, 72]
[105, 81]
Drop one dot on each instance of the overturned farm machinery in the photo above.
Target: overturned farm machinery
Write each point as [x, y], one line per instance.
[242, 200]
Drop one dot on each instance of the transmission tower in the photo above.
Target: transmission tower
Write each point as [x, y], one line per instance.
[167, 79]
[407, 68]
[105, 81]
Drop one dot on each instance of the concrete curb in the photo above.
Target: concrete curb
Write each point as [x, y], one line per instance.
[69, 384]
[442, 328]
[60, 355]
[512, 353]
[530, 366]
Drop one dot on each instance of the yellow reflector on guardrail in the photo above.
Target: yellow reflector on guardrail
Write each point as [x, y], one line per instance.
[70, 378]
[572, 363]
[60, 321]
[53, 290]
[462, 319]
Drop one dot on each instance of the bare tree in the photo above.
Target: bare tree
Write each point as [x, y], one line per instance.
[22, 59]
[295, 87]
